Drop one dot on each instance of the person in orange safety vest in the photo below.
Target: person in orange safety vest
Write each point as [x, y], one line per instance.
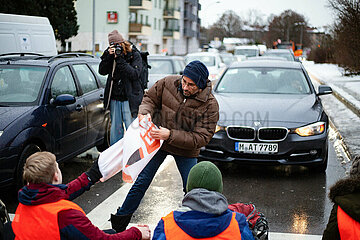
[204, 213]
[46, 212]
[344, 221]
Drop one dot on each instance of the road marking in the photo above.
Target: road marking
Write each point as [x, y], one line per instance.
[100, 215]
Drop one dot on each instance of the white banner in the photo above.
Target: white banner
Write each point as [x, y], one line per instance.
[130, 154]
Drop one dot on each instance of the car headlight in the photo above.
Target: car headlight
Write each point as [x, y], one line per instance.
[1, 132]
[219, 128]
[310, 130]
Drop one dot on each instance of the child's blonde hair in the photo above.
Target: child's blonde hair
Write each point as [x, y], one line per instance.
[40, 167]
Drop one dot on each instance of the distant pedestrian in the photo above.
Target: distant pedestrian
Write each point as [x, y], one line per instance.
[46, 212]
[187, 112]
[344, 221]
[123, 90]
[204, 211]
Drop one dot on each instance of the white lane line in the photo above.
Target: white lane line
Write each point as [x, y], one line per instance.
[100, 215]
[292, 236]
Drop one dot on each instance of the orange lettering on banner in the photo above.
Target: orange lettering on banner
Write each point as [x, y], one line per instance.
[150, 143]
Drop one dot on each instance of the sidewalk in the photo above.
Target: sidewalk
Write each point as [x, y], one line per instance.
[347, 91]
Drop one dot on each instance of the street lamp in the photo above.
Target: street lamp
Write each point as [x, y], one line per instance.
[302, 24]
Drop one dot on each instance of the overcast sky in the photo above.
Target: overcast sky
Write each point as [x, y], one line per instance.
[315, 12]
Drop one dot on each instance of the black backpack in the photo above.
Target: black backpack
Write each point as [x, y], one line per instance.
[144, 74]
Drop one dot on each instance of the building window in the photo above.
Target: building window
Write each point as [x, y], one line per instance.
[159, 24]
[141, 19]
[155, 4]
[147, 20]
[154, 23]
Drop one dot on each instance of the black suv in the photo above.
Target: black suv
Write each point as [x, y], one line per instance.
[49, 103]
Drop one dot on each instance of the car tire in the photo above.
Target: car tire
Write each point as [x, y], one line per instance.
[106, 144]
[28, 150]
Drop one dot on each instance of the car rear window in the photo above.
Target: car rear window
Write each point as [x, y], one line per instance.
[209, 61]
[264, 80]
[20, 84]
[159, 66]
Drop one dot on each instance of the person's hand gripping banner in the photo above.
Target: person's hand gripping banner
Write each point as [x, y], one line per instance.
[132, 153]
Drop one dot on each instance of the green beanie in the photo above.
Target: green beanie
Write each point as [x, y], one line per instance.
[205, 175]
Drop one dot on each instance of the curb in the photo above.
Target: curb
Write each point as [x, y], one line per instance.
[332, 125]
[340, 97]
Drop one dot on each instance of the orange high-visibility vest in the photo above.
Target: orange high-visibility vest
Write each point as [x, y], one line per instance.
[40, 221]
[349, 228]
[174, 232]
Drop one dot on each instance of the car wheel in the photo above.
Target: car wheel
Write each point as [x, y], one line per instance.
[28, 150]
[106, 144]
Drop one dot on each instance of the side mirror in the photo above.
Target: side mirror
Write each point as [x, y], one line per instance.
[63, 99]
[323, 90]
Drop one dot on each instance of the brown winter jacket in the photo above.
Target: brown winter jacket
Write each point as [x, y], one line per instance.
[191, 121]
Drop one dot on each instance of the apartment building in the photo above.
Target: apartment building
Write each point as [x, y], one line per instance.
[157, 26]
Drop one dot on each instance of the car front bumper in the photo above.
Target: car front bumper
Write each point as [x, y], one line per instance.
[294, 150]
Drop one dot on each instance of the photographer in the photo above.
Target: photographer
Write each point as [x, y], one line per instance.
[123, 91]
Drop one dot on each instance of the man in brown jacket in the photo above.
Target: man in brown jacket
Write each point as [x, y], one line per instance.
[186, 112]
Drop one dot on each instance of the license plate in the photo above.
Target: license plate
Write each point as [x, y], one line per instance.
[261, 148]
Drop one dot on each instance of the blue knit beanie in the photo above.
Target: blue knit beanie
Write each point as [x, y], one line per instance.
[197, 72]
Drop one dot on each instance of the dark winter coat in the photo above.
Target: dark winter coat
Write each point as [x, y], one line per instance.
[191, 121]
[126, 81]
[346, 194]
[73, 224]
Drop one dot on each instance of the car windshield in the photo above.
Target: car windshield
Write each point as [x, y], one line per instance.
[209, 61]
[20, 85]
[264, 80]
[288, 56]
[159, 66]
[246, 52]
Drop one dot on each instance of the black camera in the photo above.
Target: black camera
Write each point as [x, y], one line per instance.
[118, 49]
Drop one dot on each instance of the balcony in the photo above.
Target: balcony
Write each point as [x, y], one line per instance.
[189, 16]
[171, 14]
[140, 5]
[138, 29]
[189, 33]
[193, 2]
[171, 34]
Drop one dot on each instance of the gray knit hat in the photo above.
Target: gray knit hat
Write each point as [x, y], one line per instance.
[355, 167]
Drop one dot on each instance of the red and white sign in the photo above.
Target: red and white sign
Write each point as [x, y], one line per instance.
[112, 17]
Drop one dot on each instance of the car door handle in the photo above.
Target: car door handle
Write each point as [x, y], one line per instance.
[79, 107]
[101, 96]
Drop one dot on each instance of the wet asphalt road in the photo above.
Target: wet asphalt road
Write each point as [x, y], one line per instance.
[293, 199]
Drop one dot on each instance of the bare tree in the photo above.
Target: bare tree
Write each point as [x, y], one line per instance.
[289, 25]
[347, 34]
[228, 25]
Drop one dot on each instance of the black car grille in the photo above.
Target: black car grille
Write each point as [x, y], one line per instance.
[272, 134]
[245, 133]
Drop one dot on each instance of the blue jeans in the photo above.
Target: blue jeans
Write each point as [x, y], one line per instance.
[120, 114]
[142, 183]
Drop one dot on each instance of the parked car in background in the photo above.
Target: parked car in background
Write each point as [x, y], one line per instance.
[212, 60]
[245, 51]
[227, 58]
[50, 104]
[162, 66]
[270, 114]
[284, 53]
